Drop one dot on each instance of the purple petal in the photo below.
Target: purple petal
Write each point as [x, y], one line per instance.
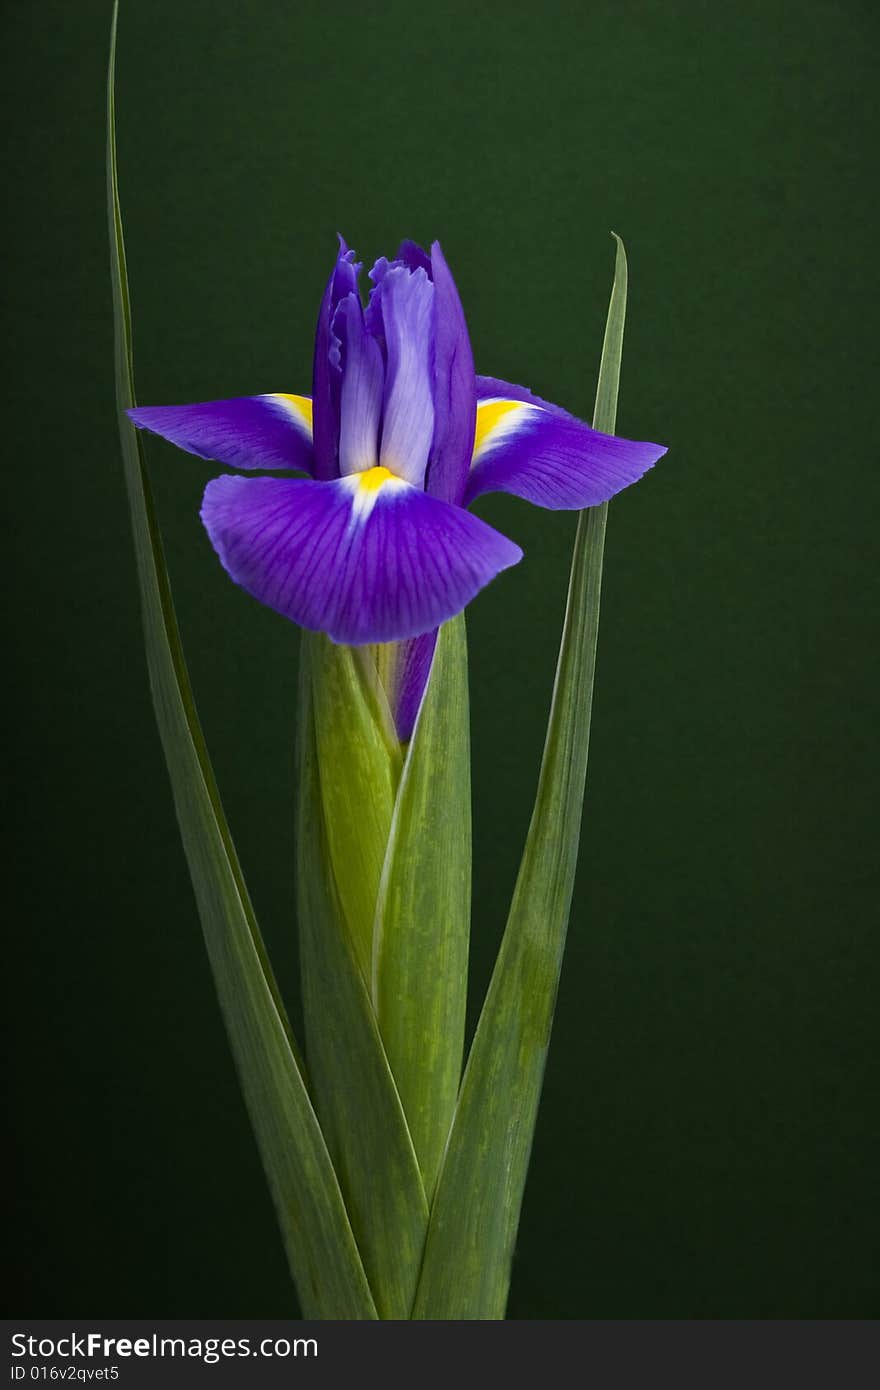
[537, 451]
[273, 431]
[363, 380]
[455, 398]
[405, 299]
[366, 558]
[493, 386]
[326, 375]
[412, 255]
[406, 669]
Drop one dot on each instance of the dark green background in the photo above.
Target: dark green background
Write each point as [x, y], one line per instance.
[708, 1140]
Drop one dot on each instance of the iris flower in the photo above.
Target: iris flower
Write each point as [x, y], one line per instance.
[375, 543]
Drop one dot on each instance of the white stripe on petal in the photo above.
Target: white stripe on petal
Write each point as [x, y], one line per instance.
[366, 487]
[407, 299]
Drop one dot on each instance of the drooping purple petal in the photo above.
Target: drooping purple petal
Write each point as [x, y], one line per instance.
[366, 558]
[525, 446]
[272, 431]
[326, 376]
[405, 299]
[363, 380]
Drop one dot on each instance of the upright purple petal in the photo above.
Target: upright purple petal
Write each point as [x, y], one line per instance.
[455, 395]
[405, 299]
[413, 255]
[366, 558]
[537, 451]
[405, 670]
[273, 431]
[363, 380]
[326, 374]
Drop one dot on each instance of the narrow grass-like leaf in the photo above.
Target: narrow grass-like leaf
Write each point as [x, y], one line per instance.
[355, 1095]
[475, 1215]
[420, 944]
[323, 1256]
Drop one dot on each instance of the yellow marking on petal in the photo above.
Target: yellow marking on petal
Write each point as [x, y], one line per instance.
[299, 406]
[371, 479]
[494, 418]
[366, 487]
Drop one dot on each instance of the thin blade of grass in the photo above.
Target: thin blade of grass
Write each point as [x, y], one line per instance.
[474, 1219]
[321, 1249]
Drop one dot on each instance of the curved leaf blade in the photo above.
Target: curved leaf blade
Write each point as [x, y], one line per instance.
[320, 1246]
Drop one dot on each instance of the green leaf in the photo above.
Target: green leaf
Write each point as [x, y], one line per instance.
[420, 946]
[475, 1215]
[385, 1078]
[320, 1246]
[360, 763]
[355, 1094]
